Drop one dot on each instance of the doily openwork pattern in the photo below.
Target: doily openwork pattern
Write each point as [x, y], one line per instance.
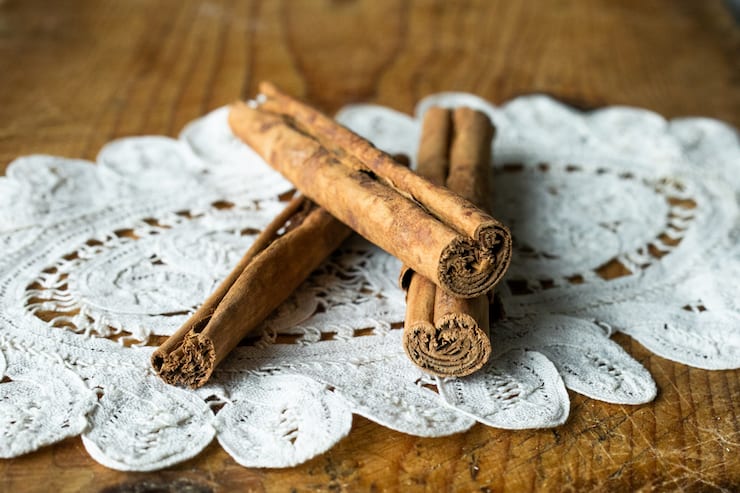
[101, 260]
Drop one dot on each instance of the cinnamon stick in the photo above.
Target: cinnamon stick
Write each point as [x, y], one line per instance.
[269, 272]
[443, 334]
[439, 234]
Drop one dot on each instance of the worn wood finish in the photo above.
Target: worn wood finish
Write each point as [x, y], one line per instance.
[75, 74]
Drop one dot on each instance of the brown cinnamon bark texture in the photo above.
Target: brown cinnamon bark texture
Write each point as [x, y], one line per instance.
[268, 273]
[438, 233]
[443, 334]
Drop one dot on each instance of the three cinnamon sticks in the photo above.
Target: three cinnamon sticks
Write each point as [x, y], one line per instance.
[453, 251]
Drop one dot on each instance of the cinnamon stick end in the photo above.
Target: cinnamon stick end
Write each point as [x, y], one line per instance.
[470, 268]
[189, 365]
[456, 347]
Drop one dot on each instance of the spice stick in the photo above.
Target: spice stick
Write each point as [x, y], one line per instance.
[443, 334]
[420, 334]
[267, 274]
[473, 272]
[340, 183]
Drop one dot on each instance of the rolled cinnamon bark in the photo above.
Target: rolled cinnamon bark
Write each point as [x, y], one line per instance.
[446, 238]
[443, 334]
[267, 274]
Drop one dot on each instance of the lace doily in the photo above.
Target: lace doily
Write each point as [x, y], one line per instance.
[99, 260]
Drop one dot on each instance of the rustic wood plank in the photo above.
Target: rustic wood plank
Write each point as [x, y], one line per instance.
[76, 74]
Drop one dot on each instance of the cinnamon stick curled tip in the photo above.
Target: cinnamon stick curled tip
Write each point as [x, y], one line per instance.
[268, 273]
[443, 334]
[439, 234]
[455, 345]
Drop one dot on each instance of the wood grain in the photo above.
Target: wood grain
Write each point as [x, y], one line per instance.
[76, 74]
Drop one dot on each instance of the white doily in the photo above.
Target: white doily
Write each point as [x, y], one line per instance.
[98, 259]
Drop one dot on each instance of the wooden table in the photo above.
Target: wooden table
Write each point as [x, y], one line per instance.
[75, 74]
